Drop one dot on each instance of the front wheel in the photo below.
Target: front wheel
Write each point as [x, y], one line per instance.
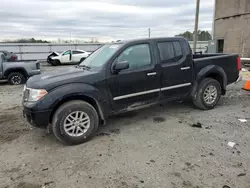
[208, 94]
[56, 62]
[16, 78]
[75, 122]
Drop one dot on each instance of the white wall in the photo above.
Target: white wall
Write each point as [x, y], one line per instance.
[37, 51]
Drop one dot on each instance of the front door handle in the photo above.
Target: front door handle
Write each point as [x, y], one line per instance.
[151, 74]
[185, 68]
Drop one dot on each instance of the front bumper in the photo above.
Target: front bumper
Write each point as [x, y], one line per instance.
[49, 60]
[38, 119]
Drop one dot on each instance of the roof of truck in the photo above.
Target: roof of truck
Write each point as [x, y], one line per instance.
[144, 39]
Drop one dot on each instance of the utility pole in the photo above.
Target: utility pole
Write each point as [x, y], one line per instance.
[149, 32]
[214, 19]
[196, 23]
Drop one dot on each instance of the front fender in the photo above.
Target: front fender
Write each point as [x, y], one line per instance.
[56, 58]
[75, 90]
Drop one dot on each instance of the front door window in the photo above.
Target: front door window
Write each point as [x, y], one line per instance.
[138, 57]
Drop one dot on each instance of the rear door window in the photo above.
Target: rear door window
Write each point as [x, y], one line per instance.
[166, 50]
[178, 50]
[170, 52]
[77, 52]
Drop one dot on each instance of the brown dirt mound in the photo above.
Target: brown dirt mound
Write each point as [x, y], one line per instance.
[12, 124]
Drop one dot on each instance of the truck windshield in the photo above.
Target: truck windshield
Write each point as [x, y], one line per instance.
[100, 56]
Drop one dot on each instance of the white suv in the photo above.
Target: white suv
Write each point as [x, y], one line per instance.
[70, 56]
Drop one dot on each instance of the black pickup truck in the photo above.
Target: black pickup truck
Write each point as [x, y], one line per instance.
[124, 76]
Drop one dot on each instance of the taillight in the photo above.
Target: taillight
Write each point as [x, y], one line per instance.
[239, 64]
[38, 66]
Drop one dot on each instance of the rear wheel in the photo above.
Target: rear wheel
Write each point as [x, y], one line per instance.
[75, 122]
[208, 94]
[16, 78]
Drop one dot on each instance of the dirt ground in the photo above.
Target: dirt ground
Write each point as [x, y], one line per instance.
[155, 147]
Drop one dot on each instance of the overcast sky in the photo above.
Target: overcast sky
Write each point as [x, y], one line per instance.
[103, 19]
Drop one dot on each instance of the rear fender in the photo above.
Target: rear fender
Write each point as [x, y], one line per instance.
[210, 71]
[16, 69]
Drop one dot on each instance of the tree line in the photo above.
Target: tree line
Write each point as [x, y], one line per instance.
[31, 40]
[202, 35]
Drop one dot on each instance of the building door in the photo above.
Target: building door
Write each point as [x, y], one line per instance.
[220, 46]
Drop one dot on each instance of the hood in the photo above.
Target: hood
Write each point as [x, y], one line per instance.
[55, 57]
[54, 53]
[62, 76]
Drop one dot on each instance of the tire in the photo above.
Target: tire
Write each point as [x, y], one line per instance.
[200, 101]
[16, 78]
[49, 61]
[61, 117]
[56, 62]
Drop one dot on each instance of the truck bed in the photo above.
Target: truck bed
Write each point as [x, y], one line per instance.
[227, 62]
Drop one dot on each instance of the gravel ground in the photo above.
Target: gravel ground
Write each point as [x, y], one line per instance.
[155, 147]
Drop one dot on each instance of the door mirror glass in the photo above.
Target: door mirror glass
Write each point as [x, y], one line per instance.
[122, 65]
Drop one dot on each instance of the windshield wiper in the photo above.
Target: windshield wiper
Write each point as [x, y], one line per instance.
[84, 66]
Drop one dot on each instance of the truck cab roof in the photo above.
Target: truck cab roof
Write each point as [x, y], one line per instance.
[149, 39]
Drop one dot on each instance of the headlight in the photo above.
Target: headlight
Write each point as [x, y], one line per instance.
[24, 88]
[32, 95]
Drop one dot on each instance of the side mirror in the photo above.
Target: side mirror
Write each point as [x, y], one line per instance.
[122, 65]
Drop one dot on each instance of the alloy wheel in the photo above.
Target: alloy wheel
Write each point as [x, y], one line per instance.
[76, 123]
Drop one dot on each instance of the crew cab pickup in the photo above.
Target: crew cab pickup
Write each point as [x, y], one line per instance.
[17, 72]
[125, 76]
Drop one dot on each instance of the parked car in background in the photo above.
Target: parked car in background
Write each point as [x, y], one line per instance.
[10, 56]
[17, 72]
[125, 76]
[67, 57]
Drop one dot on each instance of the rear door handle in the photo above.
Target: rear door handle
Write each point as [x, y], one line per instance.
[151, 74]
[185, 68]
